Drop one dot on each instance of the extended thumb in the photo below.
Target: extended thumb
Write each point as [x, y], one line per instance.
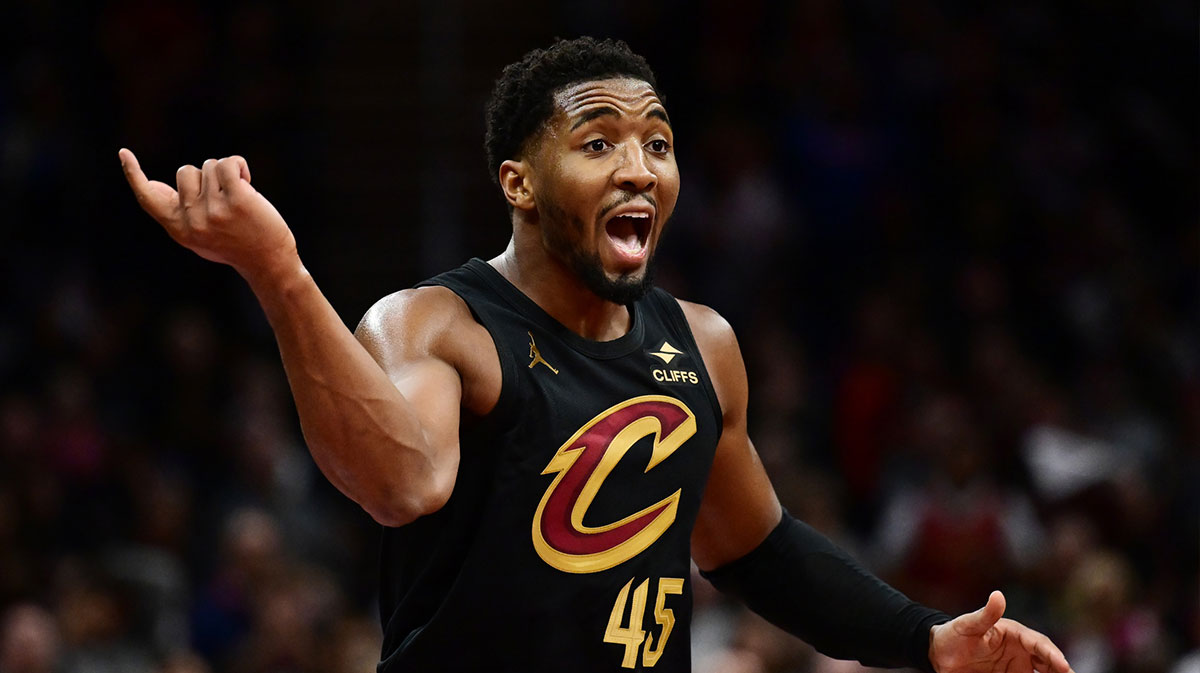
[977, 623]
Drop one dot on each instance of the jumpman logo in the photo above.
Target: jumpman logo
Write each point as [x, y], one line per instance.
[537, 356]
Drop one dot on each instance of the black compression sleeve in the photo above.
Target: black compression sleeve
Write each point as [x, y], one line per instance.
[800, 581]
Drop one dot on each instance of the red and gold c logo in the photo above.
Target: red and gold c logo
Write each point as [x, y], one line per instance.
[583, 462]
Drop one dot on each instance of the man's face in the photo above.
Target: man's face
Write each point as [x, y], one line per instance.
[606, 182]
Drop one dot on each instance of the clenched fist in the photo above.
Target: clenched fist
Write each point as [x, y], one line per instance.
[215, 213]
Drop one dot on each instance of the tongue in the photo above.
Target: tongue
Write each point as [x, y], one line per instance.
[624, 232]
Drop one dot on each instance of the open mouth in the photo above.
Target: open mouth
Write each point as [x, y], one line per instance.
[630, 231]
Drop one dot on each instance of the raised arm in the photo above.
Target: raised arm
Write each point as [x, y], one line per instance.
[799, 580]
[387, 439]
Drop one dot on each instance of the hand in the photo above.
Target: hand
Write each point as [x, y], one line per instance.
[216, 214]
[982, 642]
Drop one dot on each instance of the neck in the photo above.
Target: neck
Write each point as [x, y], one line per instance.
[554, 287]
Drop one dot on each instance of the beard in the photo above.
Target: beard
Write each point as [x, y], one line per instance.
[624, 289]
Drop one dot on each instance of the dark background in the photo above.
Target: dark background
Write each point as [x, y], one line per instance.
[959, 245]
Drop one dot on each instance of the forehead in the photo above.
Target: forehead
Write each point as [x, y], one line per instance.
[626, 94]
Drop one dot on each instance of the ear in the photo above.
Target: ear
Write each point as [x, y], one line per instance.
[515, 181]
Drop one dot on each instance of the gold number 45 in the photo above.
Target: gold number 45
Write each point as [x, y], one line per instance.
[632, 636]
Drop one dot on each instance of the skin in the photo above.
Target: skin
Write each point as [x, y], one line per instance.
[381, 408]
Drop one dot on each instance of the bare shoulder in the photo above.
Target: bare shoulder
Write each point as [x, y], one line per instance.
[420, 324]
[412, 319]
[722, 355]
[712, 331]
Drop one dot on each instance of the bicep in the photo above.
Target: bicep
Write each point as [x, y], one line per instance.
[405, 334]
[434, 389]
[739, 508]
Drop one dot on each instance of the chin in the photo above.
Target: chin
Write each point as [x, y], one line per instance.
[620, 288]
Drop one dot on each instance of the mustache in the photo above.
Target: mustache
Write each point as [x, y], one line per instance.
[626, 198]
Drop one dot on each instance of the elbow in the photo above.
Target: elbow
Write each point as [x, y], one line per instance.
[390, 517]
[402, 506]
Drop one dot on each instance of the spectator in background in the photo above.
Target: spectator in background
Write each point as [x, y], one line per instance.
[30, 641]
[957, 532]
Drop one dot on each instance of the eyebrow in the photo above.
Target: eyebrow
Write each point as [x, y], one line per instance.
[659, 113]
[607, 110]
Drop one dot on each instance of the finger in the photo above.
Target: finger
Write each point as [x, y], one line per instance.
[1044, 651]
[977, 623]
[1041, 665]
[231, 171]
[1060, 666]
[188, 182]
[187, 179]
[209, 184]
[245, 168]
[156, 202]
[133, 170]
[1054, 657]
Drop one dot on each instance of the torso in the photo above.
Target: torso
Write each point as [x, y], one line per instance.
[568, 506]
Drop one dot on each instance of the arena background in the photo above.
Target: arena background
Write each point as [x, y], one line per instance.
[959, 243]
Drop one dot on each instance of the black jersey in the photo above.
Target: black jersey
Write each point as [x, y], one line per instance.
[565, 544]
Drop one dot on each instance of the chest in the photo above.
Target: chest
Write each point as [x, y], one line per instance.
[608, 451]
[649, 395]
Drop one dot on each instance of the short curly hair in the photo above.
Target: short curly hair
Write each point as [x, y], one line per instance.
[523, 99]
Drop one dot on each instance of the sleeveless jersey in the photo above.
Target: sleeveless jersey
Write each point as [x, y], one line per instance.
[565, 543]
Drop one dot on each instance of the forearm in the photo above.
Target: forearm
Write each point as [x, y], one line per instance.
[362, 432]
[364, 435]
[803, 583]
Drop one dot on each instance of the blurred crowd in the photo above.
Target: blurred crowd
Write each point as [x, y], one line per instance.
[959, 245]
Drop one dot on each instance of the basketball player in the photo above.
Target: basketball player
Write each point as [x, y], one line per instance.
[546, 438]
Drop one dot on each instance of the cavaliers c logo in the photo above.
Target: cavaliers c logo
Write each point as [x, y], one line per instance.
[583, 462]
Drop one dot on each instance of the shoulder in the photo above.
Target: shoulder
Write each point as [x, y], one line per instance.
[413, 318]
[433, 323]
[721, 353]
[710, 329]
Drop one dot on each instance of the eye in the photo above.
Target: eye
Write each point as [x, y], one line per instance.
[597, 145]
[659, 146]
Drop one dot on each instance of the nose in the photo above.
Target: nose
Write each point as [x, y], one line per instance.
[634, 173]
